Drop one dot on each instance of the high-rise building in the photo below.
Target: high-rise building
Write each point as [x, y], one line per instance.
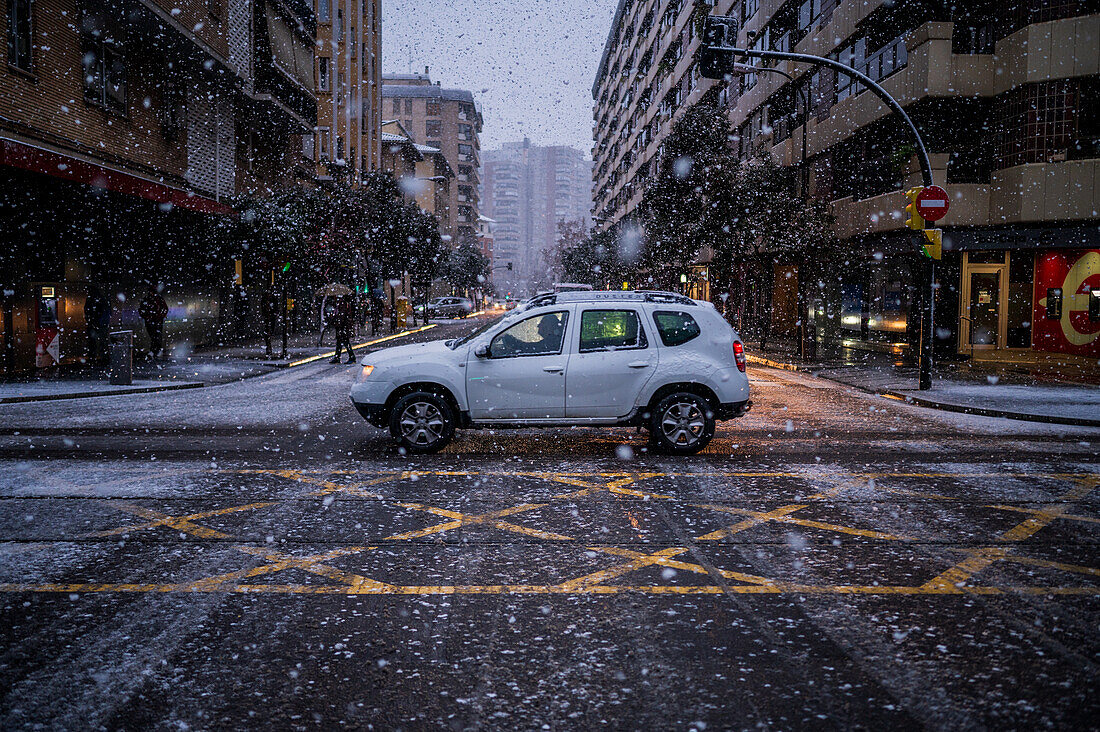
[448, 120]
[527, 191]
[348, 81]
[1007, 101]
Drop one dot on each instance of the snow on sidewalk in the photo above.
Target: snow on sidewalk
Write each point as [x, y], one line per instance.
[1062, 402]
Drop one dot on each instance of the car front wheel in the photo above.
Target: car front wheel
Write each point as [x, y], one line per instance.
[422, 422]
[682, 424]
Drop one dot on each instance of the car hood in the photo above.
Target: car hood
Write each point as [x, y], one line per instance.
[399, 355]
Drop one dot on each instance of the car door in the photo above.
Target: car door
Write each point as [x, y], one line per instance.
[522, 376]
[613, 359]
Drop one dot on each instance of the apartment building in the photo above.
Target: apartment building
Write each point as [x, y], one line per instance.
[449, 120]
[422, 171]
[527, 190]
[1006, 95]
[124, 127]
[348, 81]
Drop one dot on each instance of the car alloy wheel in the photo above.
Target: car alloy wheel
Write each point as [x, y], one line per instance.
[421, 424]
[682, 424]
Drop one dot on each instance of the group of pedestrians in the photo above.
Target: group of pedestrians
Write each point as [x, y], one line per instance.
[97, 322]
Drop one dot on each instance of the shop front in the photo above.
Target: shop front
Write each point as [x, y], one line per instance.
[1016, 303]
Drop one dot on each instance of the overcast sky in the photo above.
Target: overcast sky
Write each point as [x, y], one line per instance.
[530, 63]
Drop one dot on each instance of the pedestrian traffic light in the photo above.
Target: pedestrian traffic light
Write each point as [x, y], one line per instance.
[933, 244]
[913, 219]
[719, 32]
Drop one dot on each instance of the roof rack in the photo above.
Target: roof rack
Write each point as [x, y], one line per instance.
[553, 298]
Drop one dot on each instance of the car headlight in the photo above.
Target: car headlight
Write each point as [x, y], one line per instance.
[366, 372]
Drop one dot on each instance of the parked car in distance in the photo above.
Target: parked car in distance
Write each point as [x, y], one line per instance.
[657, 360]
[450, 307]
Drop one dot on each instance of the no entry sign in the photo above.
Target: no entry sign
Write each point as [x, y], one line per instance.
[932, 203]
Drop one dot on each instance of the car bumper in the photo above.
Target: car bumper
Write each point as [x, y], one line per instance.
[373, 413]
[733, 410]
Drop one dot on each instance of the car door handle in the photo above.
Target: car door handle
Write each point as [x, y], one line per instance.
[638, 364]
[553, 369]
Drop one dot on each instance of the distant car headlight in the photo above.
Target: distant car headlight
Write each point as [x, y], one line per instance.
[366, 372]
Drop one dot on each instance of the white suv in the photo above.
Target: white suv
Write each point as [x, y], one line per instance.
[657, 360]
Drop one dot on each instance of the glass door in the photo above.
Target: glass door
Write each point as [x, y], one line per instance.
[985, 309]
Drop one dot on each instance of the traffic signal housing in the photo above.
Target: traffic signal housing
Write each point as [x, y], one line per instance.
[933, 243]
[913, 219]
[718, 32]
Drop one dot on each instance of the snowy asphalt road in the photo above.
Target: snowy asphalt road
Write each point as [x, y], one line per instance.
[254, 555]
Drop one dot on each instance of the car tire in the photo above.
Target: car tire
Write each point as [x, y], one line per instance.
[422, 422]
[682, 424]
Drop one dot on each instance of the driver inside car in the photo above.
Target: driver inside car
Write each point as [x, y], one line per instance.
[550, 330]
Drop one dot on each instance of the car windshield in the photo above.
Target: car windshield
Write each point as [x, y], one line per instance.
[453, 344]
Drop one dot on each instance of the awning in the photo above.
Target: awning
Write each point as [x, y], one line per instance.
[59, 165]
[291, 54]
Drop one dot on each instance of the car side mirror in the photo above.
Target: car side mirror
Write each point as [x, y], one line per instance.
[482, 351]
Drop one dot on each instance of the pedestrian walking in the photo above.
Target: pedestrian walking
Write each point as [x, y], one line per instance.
[345, 318]
[97, 321]
[153, 310]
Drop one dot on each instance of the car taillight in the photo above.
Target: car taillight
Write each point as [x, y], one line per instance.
[739, 355]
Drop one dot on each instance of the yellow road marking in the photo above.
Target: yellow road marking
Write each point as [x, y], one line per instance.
[184, 524]
[782, 515]
[786, 589]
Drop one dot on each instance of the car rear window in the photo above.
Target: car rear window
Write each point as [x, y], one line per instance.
[676, 327]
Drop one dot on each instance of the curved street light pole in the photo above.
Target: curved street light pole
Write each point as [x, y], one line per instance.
[927, 313]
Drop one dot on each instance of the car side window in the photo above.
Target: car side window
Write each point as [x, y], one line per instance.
[540, 335]
[675, 327]
[611, 330]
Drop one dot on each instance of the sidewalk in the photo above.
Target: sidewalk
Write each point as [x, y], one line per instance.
[185, 369]
[985, 389]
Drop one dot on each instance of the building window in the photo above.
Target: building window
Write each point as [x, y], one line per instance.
[323, 143]
[1037, 122]
[308, 144]
[408, 106]
[749, 8]
[323, 77]
[104, 64]
[433, 128]
[20, 34]
[397, 106]
[324, 11]
[434, 108]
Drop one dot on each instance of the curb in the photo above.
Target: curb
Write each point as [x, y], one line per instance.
[196, 384]
[330, 354]
[90, 394]
[761, 361]
[984, 412]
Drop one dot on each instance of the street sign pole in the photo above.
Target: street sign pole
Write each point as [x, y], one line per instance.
[721, 31]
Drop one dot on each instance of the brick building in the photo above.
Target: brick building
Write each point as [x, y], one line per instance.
[348, 84]
[1007, 95]
[447, 119]
[124, 127]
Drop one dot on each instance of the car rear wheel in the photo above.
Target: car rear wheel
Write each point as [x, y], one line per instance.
[422, 422]
[682, 424]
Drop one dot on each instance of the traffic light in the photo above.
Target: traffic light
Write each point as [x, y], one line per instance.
[509, 266]
[913, 219]
[718, 32]
[933, 243]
